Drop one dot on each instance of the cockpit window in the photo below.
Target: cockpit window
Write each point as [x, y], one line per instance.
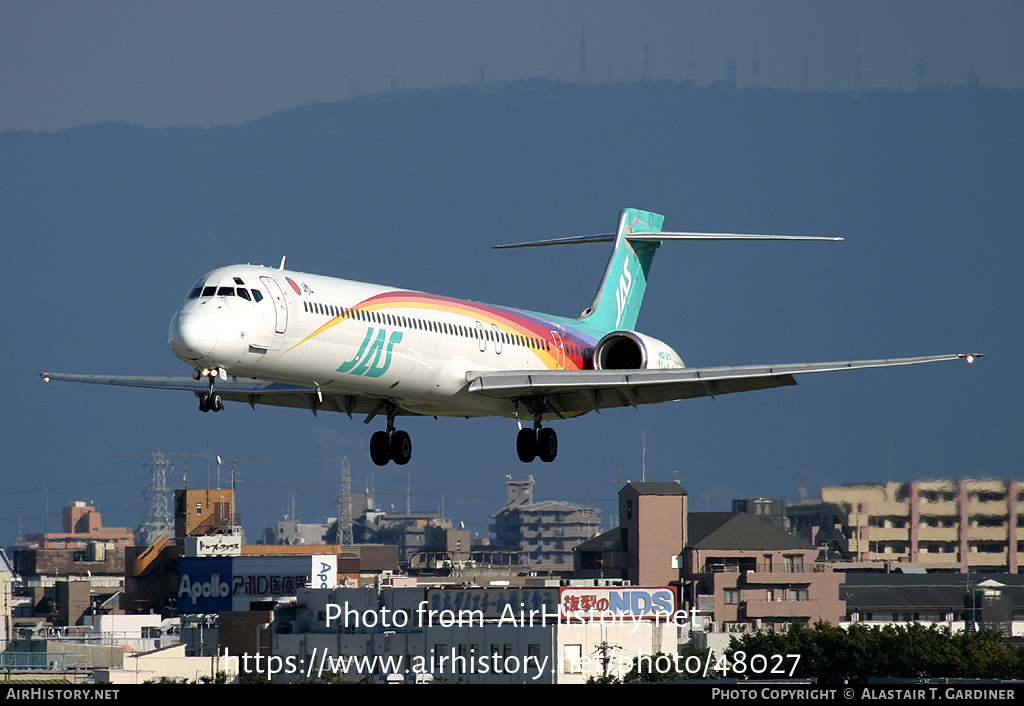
[243, 293]
[257, 295]
[195, 293]
[238, 280]
[209, 291]
[226, 292]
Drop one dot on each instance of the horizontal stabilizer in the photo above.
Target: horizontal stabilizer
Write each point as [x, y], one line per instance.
[659, 236]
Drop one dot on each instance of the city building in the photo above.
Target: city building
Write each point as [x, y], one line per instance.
[202, 511]
[539, 633]
[745, 574]
[546, 533]
[62, 585]
[83, 525]
[771, 510]
[953, 601]
[965, 525]
[740, 572]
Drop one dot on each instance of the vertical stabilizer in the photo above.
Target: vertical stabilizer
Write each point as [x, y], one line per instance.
[616, 305]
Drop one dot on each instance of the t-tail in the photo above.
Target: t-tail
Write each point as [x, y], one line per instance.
[616, 305]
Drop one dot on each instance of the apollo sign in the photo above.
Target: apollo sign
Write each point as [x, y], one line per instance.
[215, 584]
[211, 588]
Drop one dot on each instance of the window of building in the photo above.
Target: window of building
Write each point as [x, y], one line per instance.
[572, 659]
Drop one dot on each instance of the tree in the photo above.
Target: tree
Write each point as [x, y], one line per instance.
[832, 654]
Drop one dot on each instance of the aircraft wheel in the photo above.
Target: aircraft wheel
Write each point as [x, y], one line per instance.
[401, 447]
[547, 444]
[526, 445]
[380, 451]
[215, 403]
[203, 405]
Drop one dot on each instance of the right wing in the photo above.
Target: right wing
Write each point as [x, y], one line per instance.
[565, 392]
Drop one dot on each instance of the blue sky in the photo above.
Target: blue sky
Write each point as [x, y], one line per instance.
[890, 289]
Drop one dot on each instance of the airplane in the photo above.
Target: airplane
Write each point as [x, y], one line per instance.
[272, 336]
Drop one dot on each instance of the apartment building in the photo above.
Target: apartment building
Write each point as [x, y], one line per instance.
[545, 533]
[964, 525]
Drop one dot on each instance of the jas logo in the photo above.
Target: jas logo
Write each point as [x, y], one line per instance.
[368, 358]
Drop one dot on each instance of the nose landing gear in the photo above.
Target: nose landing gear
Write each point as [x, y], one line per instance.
[211, 401]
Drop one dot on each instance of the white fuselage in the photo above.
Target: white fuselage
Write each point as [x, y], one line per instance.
[339, 335]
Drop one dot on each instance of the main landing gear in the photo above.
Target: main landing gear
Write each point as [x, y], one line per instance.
[211, 401]
[391, 445]
[538, 441]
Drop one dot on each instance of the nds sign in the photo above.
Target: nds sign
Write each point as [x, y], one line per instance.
[620, 602]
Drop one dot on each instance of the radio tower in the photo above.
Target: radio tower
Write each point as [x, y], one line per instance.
[345, 504]
[157, 521]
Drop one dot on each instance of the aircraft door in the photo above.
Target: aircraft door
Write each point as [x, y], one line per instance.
[559, 350]
[496, 334]
[280, 304]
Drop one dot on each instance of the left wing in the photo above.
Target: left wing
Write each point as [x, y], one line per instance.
[565, 392]
[252, 392]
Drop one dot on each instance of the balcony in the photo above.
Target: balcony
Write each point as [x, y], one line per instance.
[889, 534]
[782, 609]
[937, 534]
[776, 567]
[987, 534]
[939, 508]
[939, 559]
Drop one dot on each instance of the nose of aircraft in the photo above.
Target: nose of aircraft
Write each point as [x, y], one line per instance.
[192, 336]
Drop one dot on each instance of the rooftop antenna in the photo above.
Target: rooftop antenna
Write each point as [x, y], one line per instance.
[643, 456]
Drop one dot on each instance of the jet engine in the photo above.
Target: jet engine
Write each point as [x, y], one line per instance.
[629, 350]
